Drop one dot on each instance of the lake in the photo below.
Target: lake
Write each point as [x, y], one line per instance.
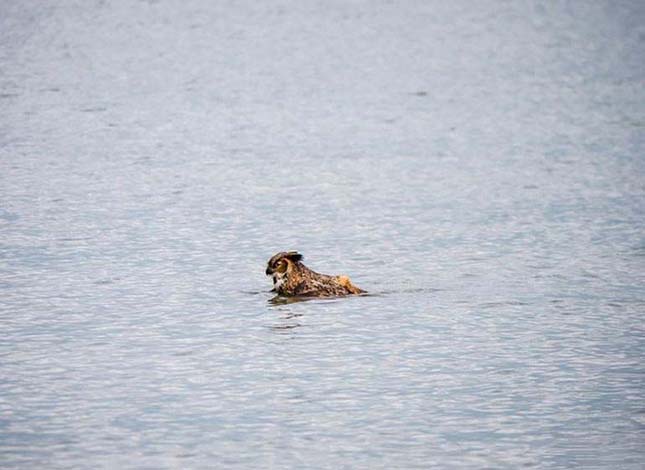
[479, 168]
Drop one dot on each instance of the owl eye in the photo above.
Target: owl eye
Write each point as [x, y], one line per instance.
[281, 266]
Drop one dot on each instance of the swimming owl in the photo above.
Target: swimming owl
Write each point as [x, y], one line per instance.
[292, 278]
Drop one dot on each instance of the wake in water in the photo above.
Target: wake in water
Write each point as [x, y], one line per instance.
[285, 300]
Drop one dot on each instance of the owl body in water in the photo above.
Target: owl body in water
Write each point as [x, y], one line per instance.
[292, 278]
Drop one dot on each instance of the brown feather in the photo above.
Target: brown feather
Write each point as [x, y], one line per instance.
[299, 280]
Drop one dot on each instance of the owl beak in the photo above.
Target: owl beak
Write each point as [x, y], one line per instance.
[269, 271]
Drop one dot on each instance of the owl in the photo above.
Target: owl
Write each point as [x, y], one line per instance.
[292, 278]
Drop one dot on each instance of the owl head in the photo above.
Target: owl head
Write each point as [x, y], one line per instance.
[281, 263]
[280, 266]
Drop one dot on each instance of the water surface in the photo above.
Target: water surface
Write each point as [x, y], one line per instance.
[477, 167]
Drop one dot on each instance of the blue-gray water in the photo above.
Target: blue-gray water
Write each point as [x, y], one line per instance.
[478, 167]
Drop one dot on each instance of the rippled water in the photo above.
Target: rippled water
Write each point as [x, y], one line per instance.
[478, 167]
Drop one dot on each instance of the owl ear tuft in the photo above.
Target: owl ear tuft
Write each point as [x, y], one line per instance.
[293, 256]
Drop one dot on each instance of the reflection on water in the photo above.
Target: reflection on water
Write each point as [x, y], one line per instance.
[282, 300]
[288, 321]
[477, 166]
[285, 300]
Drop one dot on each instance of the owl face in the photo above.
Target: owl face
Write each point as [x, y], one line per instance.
[280, 265]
